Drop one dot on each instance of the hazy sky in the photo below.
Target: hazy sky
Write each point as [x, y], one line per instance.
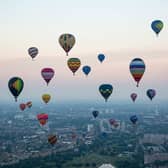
[119, 29]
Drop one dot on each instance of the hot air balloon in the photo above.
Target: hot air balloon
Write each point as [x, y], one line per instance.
[157, 26]
[74, 64]
[151, 93]
[114, 123]
[46, 98]
[22, 106]
[106, 90]
[15, 85]
[52, 139]
[86, 70]
[133, 119]
[33, 51]
[67, 41]
[47, 74]
[42, 118]
[95, 113]
[137, 69]
[101, 57]
[133, 96]
[29, 104]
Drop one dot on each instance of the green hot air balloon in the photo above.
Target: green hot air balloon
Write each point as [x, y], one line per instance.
[15, 85]
[106, 90]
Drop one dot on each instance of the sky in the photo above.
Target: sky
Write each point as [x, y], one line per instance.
[119, 29]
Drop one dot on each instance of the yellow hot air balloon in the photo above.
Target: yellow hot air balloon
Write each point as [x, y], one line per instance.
[67, 41]
[46, 98]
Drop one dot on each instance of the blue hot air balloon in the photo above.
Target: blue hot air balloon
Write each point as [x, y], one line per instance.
[86, 69]
[106, 90]
[151, 93]
[133, 119]
[157, 26]
[101, 57]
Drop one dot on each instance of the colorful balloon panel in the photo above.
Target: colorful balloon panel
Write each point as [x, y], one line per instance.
[15, 85]
[133, 96]
[74, 64]
[67, 41]
[157, 26]
[42, 118]
[101, 57]
[47, 74]
[86, 70]
[106, 90]
[33, 51]
[151, 93]
[137, 69]
[52, 139]
[46, 98]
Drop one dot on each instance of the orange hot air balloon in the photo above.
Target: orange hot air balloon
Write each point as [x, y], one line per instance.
[42, 118]
[46, 98]
[74, 64]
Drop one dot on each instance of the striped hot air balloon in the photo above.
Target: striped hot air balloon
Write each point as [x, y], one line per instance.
[157, 26]
[106, 90]
[33, 51]
[47, 74]
[74, 64]
[137, 69]
[15, 85]
[42, 118]
[67, 41]
[52, 139]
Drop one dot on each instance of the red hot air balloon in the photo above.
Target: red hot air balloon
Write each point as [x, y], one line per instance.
[42, 118]
[133, 96]
[22, 106]
[47, 74]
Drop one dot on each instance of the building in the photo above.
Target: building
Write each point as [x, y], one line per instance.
[106, 166]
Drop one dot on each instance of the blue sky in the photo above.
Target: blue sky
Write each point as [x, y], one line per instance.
[119, 29]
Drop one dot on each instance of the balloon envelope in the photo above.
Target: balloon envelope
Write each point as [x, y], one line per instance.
[133, 119]
[73, 64]
[22, 106]
[133, 96]
[95, 113]
[106, 90]
[29, 104]
[15, 85]
[47, 74]
[33, 51]
[86, 69]
[52, 139]
[101, 57]
[42, 118]
[67, 41]
[151, 93]
[46, 98]
[137, 69]
[157, 26]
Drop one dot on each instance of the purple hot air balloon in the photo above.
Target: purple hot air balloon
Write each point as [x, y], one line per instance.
[47, 74]
[133, 96]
